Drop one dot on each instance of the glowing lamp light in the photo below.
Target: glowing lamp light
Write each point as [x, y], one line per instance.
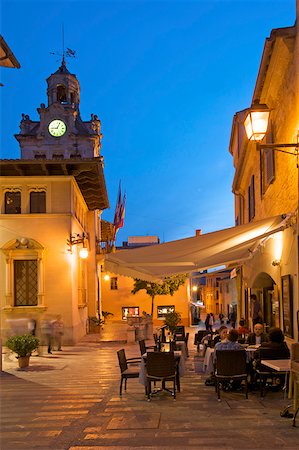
[83, 253]
[76, 239]
[106, 277]
[277, 247]
[256, 122]
[194, 288]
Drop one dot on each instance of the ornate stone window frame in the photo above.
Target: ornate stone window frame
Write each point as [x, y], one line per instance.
[36, 188]
[10, 188]
[23, 249]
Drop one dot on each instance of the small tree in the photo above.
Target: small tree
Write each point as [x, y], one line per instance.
[169, 286]
[172, 320]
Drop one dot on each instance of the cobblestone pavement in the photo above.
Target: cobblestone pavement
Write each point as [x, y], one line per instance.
[69, 400]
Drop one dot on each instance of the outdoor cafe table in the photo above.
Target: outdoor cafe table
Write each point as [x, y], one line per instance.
[181, 345]
[177, 355]
[280, 365]
[208, 363]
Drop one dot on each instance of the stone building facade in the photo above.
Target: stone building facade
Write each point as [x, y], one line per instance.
[266, 184]
[50, 207]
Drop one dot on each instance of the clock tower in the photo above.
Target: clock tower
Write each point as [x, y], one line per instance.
[60, 133]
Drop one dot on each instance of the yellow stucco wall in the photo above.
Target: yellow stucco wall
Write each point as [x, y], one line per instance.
[277, 87]
[64, 284]
[114, 300]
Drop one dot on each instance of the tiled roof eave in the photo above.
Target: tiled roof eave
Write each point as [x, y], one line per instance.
[88, 174]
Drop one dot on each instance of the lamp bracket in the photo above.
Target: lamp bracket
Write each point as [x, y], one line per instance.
[277, 146]
[76, 239]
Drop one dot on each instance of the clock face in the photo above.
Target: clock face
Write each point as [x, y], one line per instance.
[57, 128]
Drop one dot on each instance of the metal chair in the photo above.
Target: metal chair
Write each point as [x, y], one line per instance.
[263, 373]
[230, 366]
[127, 372]
[160, 366]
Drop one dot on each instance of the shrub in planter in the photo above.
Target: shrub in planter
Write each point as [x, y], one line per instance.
[23, 346]
[171, 320]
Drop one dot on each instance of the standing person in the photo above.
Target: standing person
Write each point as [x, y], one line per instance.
[256, 310]
[207, 323]
[48, 333]
[58, 332]
[221, 318]
[32, 327]
[233, 318]
[211, 321]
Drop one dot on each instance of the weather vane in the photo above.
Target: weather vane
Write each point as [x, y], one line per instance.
[66, 52]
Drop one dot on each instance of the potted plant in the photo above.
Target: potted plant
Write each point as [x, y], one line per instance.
[171, 320]
[94, 324]
[23, 346]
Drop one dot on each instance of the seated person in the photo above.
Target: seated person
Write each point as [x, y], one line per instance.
[258, 336]
[276, 343]
[210, 340]
[242, 328]
[230, 343]
[221, 335]
[276, 348]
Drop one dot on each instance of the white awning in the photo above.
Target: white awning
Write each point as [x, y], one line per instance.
[222, 247]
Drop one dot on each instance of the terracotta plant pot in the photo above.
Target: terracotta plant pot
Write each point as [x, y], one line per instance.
[23, 361]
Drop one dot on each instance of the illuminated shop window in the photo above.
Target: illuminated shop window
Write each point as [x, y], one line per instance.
[163, 310]
[130, 311]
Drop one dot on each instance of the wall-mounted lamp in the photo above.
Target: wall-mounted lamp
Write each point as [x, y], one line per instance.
[256, 122]
[256, 125]
[194, 288]
[106, 277]
[276, 262]
[76, 239]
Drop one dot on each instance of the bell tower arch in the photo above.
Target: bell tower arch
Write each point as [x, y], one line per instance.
[60, 132]
[63, 87]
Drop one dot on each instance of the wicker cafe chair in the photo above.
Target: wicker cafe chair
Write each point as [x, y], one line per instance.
[179, 333]
[127, 372]
[230, 366]
[186, 342]
[198, 338]
[143, 348]
[160, 366]
[264, 374]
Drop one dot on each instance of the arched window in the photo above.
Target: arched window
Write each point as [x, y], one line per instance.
[61, 93]
[37, 202]
[13, 202]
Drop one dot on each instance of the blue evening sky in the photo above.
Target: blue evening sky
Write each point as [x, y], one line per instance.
[165, 78]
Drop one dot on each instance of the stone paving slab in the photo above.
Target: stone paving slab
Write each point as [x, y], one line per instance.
[72, 403]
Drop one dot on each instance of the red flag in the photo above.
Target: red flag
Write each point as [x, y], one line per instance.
[122, 212]
[119, 214]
